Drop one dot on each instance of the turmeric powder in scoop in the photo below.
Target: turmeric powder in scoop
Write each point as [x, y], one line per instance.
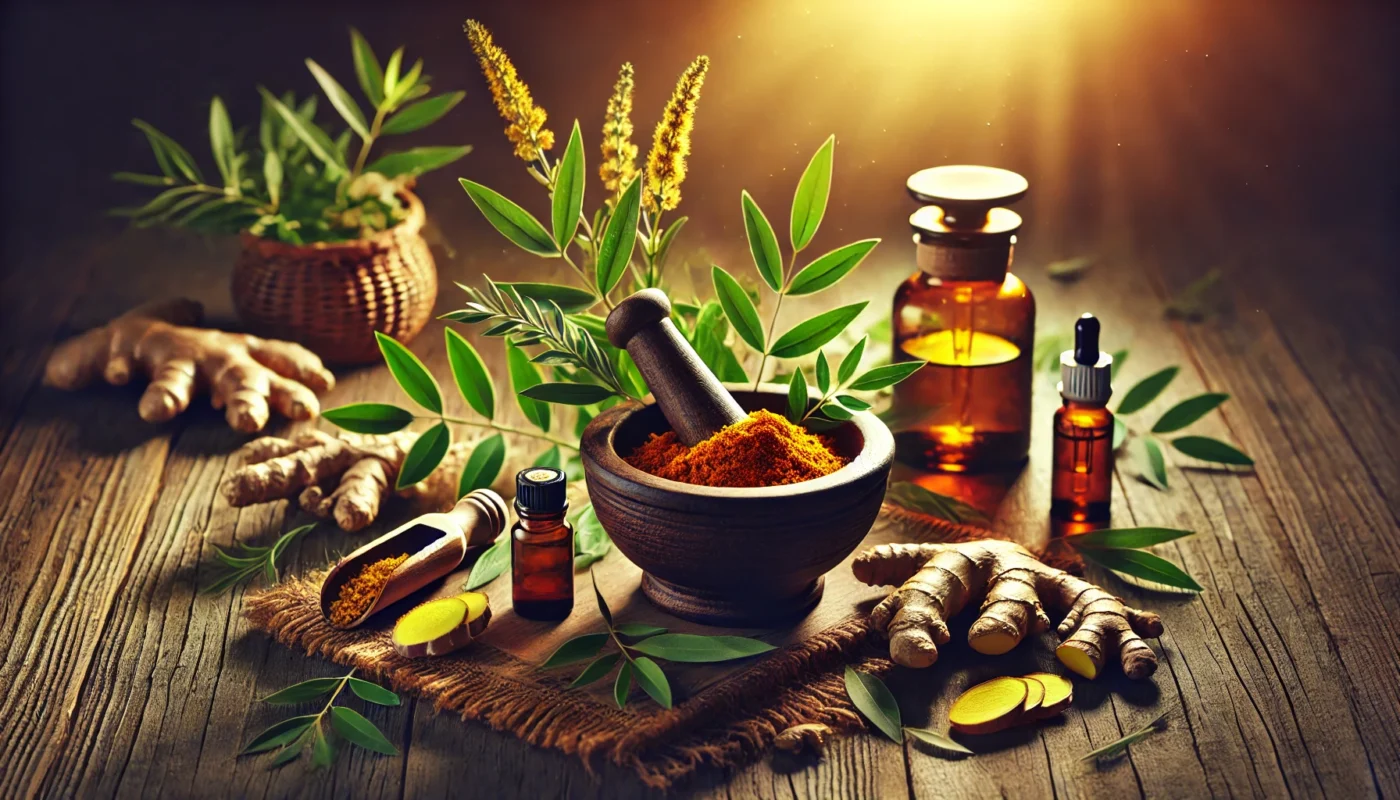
[763, 449]
[360, 592]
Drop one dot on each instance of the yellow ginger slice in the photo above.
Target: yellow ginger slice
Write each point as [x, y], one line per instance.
[1059, 693]
[1035, 695]
[438, 627]
[989, 707]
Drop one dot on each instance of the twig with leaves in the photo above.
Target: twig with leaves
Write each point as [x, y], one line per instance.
[290, 737]
[249, 560]
[635, 647]
[874, 700]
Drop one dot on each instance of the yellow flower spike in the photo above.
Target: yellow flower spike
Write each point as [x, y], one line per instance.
[619, 154]
[526, 120]
[671, 145]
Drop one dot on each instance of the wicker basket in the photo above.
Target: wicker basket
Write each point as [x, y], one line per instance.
[332, 297]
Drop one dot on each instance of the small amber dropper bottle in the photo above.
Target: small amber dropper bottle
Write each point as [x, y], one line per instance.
[1081, 482]
[542, 546]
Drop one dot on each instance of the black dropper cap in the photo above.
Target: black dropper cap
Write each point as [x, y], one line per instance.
[541, 490]
[1086, 340]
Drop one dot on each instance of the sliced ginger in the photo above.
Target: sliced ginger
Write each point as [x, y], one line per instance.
[243, 374]
[1035, 695]
[438, 627]
[1059, 693]
[989, 707]
[936, 581]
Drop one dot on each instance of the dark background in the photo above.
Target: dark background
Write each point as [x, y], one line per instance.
[1198, 121]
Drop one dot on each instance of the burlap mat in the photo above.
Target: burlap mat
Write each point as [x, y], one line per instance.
[724, 715]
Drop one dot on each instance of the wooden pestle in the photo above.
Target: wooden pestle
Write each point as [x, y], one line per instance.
[690, 396]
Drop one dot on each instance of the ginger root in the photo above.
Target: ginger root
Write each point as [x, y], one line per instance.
[936, 581]
[362, 469]
[244, 374]
[799, 738]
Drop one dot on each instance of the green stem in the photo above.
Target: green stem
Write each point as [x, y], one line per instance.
[773, 323]
[368, 142]
[496, 426]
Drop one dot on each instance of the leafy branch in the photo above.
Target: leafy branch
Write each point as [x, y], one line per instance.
[832, 406]
[635, 647]
[290, 737]
[874, 700]
[249, 560]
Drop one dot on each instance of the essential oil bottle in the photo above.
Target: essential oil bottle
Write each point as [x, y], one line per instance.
[972, 320]
[542, 546]
[1081, 481]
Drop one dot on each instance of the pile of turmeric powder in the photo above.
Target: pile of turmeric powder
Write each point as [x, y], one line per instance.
[762, 450]
[359, 592]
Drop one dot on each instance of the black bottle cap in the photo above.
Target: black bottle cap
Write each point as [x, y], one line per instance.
[1086, 340]
[541, 490]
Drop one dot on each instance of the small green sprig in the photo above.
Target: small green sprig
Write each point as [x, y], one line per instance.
[834, 404]
[249, 560]
[290, 737]
[1117, 748]
[874, 700]
[635, 647]
[1123, 550]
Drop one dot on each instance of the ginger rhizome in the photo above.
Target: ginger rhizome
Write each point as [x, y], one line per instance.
[243, 374]
[358, 594]
[936, 581]
[361, 469]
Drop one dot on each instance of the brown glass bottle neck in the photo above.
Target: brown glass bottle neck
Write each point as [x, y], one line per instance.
[541, 522]
[951, 263]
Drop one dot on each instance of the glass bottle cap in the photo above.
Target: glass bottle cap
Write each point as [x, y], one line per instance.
[967, 197]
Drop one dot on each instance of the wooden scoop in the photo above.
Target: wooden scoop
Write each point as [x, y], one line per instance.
[692, 399]
[435, 544]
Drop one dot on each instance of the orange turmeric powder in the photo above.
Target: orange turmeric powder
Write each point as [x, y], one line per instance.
[359, 592]
[762, 450]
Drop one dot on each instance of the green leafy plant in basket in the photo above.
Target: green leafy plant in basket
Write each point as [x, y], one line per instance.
[292, 180]
[554, 326]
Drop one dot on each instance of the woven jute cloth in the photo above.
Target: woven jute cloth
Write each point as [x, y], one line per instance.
[724, 715]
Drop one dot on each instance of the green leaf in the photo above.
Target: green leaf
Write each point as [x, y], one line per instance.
[470, 374]
[852, 403]
[1120, 432]
[738, 308]
[623, 684]
[636, 630]
[851, 362]
[1120, 746]
[1127, 538]
[418, 160]
[652, 680]
[834, 411]
[491, 564]
[664, 248]
[936, 739]
[602, 604]
[410, 374]
[525, 375]
[279, 734]
[1146, 390]
[1069, 269]
[763, 243]
[368, 417]
[916, 498]
[169, 154]
[425, 455]
[823, 373]
[619, 239]
[373, 692]
[570, 299]
[514, 222]
[313, 137]
[1120, 357]
[708, 338]
[322, 749]
[1140, 564]
[591, 541]
[694, 649]
[809, 204]
[391, 73]
[549, 458]
[1213, 450]
[340, 99]
[887, 375]
[815, 332]
[1198, 300]
[221, 142]
[579, 648]
[483, 465]
[272, 173]
[873, 699]
[830, 268]
[359, 731]
[301, 692]
[797, 397]
[568, 394]
[421, 114]
[567, 203]
[595, 670]
[292, 751]
[1153, 466]
[406, 85]
[143, 180]
[1188, 411]
[367, 70]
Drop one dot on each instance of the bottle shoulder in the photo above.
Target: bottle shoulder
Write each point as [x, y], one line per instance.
[1078, 415]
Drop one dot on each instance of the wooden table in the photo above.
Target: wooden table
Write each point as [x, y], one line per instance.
[118, 678]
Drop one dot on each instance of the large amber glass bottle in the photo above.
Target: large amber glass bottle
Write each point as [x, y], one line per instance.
[972, 320]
